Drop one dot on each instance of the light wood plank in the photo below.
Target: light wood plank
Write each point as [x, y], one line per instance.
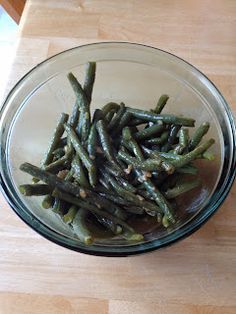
[197, 275]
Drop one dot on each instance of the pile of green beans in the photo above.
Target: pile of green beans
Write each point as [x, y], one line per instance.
[117, 166]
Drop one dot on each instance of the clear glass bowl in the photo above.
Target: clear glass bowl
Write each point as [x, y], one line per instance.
[137, 75]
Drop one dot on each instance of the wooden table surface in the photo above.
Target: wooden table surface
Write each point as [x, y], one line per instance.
[198, 274]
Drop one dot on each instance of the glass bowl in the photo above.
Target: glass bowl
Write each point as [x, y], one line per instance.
[136, 75]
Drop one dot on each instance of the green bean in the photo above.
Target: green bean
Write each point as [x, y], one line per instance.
[135, 122]
[70, 215]
[150, 187]
[198, 135]
[135, 210]
[187, 158]
[69, 176]
[58, 153]
[128, 138]
[83, 107]
[109, 116]
[110, 107]
[165, 221]
[114, 198]
[93, 209]
[90, 71]
[122, 123]
[34, 189]
[161, 104]
[59, 130]
[116, 119]
[208, 155]
[178, 150]
[52, 180]
[181, 188]
[148, 164]
[83, 154]
[171, 138]
[183, 137]
[59, 207]
[61, 161]
[80, 228]
[104, 182]
[132, 197]
[124, 183]
[107, 206]
[75, 115]
[92, 142]
[166, 118]
[79, 173]
[105, 141]
[149, 132]
[109, 224]
[188, 169]
[98, 115]
[48, 201]
[108, 167]
[158, 140]
[63, 142]
[170, 181]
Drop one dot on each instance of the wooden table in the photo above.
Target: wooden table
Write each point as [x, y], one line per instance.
[197, 275]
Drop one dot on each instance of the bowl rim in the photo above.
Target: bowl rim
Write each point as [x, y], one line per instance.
[52, 235]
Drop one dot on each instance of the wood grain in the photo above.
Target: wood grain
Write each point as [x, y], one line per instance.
[14, 8]
[198, 274]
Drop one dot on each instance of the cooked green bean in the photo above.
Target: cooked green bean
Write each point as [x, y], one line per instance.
[109, 116]
[161, 104]
[98, 115]
[70, 215]
[90, 72]
[109, 224]
[116, 119]
[171, 138]
[92, 142]
[61, 161]
[181, 188]
[110, 107]
[58, 153]
[59, 207]
[48, 201]
[183, 137]
[50, 179]
[80, 228]
[187, 158]
[131, 197]
[59, 130]
[198, 135]
[188, 169]
[150, 187]
[158, 140]
[93, 209]
[83, 154]
[166, 118]
[117, 166]
[136, 122]
[107, 205]
[148, 164]
[106, 143]
[208, 155]
[128, 138]
[78, 172]
[122, 123]
[144, 134]
[83, 107]
[34, 189]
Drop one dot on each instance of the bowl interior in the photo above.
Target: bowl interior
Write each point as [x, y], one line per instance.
[135, 75]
